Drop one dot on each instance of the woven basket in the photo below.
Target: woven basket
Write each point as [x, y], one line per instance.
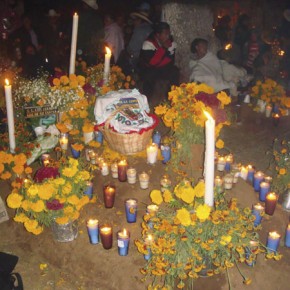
[127, 143]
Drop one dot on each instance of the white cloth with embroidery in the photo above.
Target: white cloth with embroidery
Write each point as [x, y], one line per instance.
[132, 110]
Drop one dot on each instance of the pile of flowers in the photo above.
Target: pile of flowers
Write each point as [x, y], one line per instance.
[184, 115]
[189, 239]
[57, 199]
[117, 79]
[271, 93]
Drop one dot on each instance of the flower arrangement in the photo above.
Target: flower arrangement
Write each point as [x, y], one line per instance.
[184, 115]
[117, 79]
[57, 199]
[185, 238]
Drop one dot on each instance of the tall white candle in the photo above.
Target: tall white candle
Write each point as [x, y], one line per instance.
[108, 56]
[10, 115]
[209, 159]
[73, 48]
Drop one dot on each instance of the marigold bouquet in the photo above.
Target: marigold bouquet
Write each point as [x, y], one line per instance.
[57, 199]
[185, 238]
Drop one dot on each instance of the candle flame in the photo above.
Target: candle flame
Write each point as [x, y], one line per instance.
[228, 46]
[75, 14]
[207, 114]
[108, 50]
[7, 82]
[124, 232]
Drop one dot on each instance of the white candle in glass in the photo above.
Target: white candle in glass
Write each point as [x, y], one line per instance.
[73, 47]
[108, 56]
[114, 170]
[209, 159]
[10, 115]
[152, 152]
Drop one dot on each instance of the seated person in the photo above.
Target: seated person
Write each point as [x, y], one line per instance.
[207, 68]
[157, 59]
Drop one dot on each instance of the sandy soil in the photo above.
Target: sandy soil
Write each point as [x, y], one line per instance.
[80, 265]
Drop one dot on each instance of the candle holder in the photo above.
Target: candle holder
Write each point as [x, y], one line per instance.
[228, 181]
[270, 203]
[268, 111]
[98, 136]
[92, 156]
[106, 234]
[75, 153]
[45, 159]
[89, 190]
[229, 160]
[264, 189]
[218, 182]
[221, 163]
[123, 242]
[156, 138]
[131, 210]
[273, 241]
[109, 192]
[258, 211]
[250, 253]
[114, 170]
[105, 169]
[122, 170]
[148, 243]
[152, 152]
[276, 119]
[258, 178]
[165, 183]
[287, 236]
[166, 153]
[144, 180]
[131, 175]
[251, 172]
[151, 210]
[63, 141]
[244, 173]
[93, 231]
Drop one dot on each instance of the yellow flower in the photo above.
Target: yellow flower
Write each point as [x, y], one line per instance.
[225, 240]
[203, 212]
[199, 189]
[37, 206]
[56, 82]
[14, 200]
[167, 196]
[156, 196]
[282, 171]
[77, 147]
[183, 216]
[160, 110]
[21, 218]
[219, 144]
[30, 225]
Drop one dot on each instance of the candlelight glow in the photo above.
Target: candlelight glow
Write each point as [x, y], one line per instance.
[7, 82]
[75, 14]
[124, 232]
[108, 51]
[274, 235]
[208, 116]
[228, 46]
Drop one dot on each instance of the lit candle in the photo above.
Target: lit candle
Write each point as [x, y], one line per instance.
[87, 153]
[144, 180]
[151, 210]
[229, 160]
[287, 236]
[148, 243]
[63, 141]
[131, 175]
[156, 138]
[73, 48]
[75, 153]
[123, 242]
[89, 190]
[244, 173]
[131, 210]
[268, 179]
[165, 183]
[45, 159]
[251, 172]
[258, 178]
[276, 119]
[104, 169]
[228, 181]
[106, 233]
[114, 170]
[209, 159]
[221, 163]
[93, 231]
[268, 111]
[264, 189]
[108, 56]
[93, 155]
[165, 152]
[250, 253]
[152, 152]
[109, 192]
[10, 115]
[258, 211]
[218, 182]
[270, 203]
[122, 170]
[273, 241]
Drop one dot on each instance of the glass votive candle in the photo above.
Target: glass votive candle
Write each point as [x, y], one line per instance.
[131, 210]
[109, 193]
[105, 169]
[89, 190]
[148, 243]
[131, 175]
[165, 183]
[221, 163]
[258, 211]
[287, 236]
[122, 170]
[99, 161]
[156, 138]
[244, 173]
[165, 152]
[45, 159]
[218, 183]
[144, 180]
[251, 172]
[276, 119]
[152, 152]
[258, 178]
[63, 141]
[270, 203]
[106, 234]
[93, 231]
[268, 179]
[151, 210]
[268, 111]
[273, 241]
[114, 170]
[123, 242]
[228, 181]
[249, 253]
[87, 153]
[235, 175]
[229, 160]
[93, 155]
[264, 189]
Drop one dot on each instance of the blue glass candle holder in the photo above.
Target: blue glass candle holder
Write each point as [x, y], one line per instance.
[99, 137]
[156, 138]
[264, 189]
[93, 231]
[89, 190]
[166, 153]
[258, 211]
[148, 256]
[258, 178]
[123, 242]
[227, 166]
[273, 242]
[131, 210]
[251, 172]
[75, 153]
[287, 236]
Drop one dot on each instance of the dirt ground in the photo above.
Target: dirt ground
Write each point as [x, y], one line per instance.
[80, 265]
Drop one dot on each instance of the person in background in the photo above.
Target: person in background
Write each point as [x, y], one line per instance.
[223, 30]
[253, 51]
[157, 59]
[114, 37]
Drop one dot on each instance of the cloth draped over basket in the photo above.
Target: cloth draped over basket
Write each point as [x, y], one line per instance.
[123, 117]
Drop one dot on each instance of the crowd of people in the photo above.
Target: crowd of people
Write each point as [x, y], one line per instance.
[141, 46]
